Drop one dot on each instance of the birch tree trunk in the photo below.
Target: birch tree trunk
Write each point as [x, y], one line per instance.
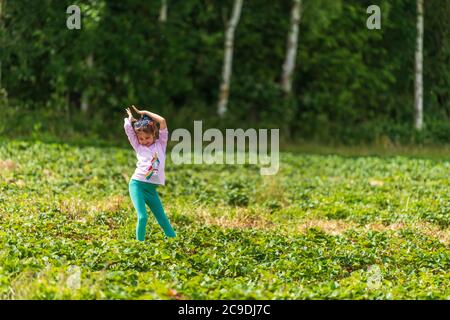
[84, 96]
[418, 79]
[163, 11]
[228, 57]
[291, 47]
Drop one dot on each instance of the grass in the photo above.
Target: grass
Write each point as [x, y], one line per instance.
[327, 226]
[436, 152]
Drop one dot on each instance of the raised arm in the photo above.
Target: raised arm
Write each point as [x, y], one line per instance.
[154, 116]
[130, 131]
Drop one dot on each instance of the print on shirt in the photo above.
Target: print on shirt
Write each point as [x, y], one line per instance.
[152, 172]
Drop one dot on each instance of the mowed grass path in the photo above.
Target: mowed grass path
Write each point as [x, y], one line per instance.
[325, 227]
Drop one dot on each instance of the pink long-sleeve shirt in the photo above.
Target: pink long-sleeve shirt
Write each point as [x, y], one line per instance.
[151, 160]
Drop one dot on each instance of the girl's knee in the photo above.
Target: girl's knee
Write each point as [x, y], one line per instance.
[142, 219]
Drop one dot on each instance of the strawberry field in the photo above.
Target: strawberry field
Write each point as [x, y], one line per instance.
[324, 227]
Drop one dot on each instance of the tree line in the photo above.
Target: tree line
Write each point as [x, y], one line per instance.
[310, 67]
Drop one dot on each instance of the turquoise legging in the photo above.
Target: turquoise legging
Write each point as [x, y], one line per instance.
[145, 193]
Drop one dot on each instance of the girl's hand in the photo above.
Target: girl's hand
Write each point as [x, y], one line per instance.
[130, 115]
[154, 116]
[136, 110]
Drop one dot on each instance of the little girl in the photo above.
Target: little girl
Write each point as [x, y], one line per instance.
[149, 143]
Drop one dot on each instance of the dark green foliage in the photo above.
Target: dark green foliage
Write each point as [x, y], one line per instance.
[351, 85]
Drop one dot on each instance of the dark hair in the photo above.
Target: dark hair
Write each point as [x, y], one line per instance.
[147, 125]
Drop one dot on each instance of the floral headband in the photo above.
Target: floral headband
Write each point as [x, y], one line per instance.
[145, 121]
